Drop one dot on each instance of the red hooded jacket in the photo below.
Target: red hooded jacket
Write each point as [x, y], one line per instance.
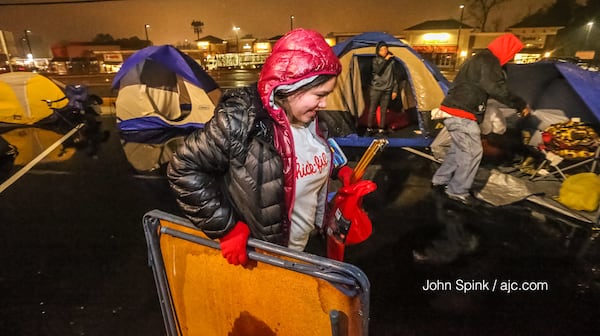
[241, 166]
[298, 55]
[481, 77]
[505, 47]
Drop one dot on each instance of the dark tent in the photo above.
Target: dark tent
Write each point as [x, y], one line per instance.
[557, 85]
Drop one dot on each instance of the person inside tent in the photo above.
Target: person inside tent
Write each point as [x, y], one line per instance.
[261, 165]
[481, 77]
[384, 87]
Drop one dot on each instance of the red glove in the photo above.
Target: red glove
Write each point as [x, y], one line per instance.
[344, 175]
[233, 244]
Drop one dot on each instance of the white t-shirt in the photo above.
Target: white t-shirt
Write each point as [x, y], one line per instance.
[312, 171]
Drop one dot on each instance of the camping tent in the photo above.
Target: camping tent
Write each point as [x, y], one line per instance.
[22, 96]
[557, 85]
[423, 91]
[161, 87]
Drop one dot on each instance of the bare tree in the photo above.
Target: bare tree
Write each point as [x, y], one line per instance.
[480, 10]
[197, 25]
[497, 24]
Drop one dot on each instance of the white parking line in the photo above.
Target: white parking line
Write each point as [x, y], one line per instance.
[38, 158]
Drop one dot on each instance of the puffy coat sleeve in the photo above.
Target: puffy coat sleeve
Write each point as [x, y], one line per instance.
[197, 172]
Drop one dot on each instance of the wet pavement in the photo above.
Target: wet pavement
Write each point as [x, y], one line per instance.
[74, 255]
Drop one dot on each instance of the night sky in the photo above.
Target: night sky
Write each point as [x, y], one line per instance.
[170, 20]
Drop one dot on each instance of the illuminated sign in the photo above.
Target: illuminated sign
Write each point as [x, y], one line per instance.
[262, 46]
[112, 57]
[436, 37]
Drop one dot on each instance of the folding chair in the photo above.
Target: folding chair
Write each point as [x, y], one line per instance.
[280, 291]
[555, 162]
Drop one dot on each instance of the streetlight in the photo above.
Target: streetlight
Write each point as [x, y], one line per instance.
[26, 31]
[236, 29]
[462, 11]
[291, 22]
[589, 28]
[146, 26]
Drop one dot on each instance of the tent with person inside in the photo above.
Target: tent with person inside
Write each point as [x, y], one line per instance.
[161, 87]
[24, 96]
[422, 88]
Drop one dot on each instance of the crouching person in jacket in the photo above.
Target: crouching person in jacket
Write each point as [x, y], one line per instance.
[260, 166]
[480, 78]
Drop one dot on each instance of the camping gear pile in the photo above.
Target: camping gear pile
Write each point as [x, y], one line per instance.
[561, 135]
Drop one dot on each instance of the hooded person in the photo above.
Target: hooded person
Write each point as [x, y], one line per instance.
[383, 88]
[481, 77]
[260, 166]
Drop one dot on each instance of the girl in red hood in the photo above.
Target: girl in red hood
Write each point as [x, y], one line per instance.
[260, 166]
[481, 77]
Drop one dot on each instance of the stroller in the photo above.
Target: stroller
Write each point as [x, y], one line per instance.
[82, 107]
[80, 103]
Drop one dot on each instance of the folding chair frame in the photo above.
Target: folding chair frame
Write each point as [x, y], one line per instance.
[561, 171]
[347, 278]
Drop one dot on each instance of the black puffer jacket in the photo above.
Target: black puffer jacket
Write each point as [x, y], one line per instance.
[232, 162]
[480, 78]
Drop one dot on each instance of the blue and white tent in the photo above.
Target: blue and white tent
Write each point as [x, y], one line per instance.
[161, 87]
[423, 90]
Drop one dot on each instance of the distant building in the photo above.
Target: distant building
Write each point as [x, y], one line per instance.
[80, 49]
[538, 35]
[84, 58]
[448, 43]
[15, 55]
[443, 42]
[212, 45]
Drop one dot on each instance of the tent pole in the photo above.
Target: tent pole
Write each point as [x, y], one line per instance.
[425, 155]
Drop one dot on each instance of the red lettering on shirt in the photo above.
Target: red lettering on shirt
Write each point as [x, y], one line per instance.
[307, 168]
